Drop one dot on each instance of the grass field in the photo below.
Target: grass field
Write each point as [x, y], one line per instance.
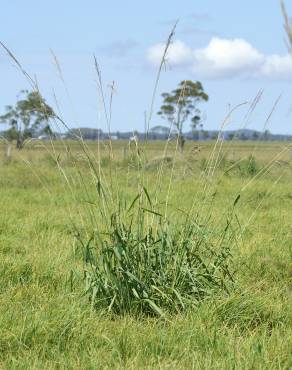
[46, 319]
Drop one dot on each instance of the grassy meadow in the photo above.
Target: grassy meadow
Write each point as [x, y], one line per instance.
[48, 197]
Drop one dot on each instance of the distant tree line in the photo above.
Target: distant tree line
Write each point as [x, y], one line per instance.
[156, 133]
[31, 116]
[164, 133]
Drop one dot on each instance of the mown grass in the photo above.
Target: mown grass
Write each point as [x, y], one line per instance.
[46, 320]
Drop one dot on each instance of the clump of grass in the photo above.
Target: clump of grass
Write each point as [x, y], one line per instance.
[249, 167]
[155, 267]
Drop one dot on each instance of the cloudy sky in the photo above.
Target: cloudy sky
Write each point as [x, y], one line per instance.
[236, 49]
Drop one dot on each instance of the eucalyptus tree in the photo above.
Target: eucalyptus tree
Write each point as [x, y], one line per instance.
[29, 116]
[180, 105]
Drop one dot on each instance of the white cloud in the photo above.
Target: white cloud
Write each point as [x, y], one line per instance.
[178, 54]
[225, 58]
[277, 67]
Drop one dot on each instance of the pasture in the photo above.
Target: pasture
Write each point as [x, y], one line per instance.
[47, 320]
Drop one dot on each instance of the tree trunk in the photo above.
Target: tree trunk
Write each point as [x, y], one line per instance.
[19, 142]
[181, 142]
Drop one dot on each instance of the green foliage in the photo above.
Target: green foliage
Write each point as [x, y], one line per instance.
[249, 167]
[156, 268]
[30, 114]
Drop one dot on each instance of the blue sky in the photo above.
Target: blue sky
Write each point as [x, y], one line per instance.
[234, 48]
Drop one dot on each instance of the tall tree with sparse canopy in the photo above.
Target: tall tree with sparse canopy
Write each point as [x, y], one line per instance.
[29, 116]
[181, 105]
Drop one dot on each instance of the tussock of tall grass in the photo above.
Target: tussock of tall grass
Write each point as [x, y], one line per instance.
[155, 268]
